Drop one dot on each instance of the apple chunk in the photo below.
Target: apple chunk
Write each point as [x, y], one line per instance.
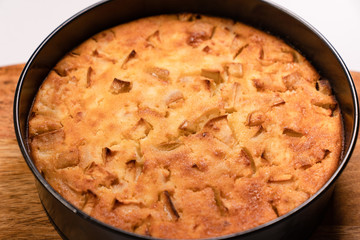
[234, 69]
[120, 86]
[213, 74]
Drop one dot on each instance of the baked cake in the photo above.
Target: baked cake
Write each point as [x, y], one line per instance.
[185, 126]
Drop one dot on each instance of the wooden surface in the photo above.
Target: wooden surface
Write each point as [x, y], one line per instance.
[22, 216]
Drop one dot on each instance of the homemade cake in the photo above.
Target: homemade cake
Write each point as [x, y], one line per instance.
[185, 126]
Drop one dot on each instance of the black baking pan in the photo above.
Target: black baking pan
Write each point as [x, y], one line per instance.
[70, 222]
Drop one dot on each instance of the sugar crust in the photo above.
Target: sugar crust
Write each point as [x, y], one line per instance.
[185, 126]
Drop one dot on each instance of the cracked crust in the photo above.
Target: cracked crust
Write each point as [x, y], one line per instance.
[185, 126]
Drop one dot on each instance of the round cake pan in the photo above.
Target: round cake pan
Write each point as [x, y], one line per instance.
[72, 223]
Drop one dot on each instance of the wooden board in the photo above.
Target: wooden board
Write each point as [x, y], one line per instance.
[22, 216]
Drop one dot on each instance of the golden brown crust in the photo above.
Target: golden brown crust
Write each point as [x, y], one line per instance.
[185, 126]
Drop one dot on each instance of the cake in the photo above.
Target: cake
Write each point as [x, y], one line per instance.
[185, 126]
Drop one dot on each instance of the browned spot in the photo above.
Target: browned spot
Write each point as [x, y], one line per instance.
[292, 133]
[172, 206]
[106, 154]
[195, 166]
[168, 146]
[156, 35]
[200, 166]
[264, 155]
[239, 51]
[206, 49]
[258, 84]
[96, 53]
[261, 53]
[326, 153]
[303, 166]
[274, 208]
[74, 54]
[79, 116]
[131, 56]
[32, 115]
[208, 84]
[133, 170]
[131, 163]
[169, 207]
[89, 77]
[195, 227]
[116, 204]
[60, 73]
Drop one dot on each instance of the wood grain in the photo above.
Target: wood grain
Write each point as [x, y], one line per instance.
[21, 213]
[22, 216]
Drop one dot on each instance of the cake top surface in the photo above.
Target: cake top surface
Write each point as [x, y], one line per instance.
[185, 126]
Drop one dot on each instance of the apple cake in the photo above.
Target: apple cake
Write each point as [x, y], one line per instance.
[185, 126]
